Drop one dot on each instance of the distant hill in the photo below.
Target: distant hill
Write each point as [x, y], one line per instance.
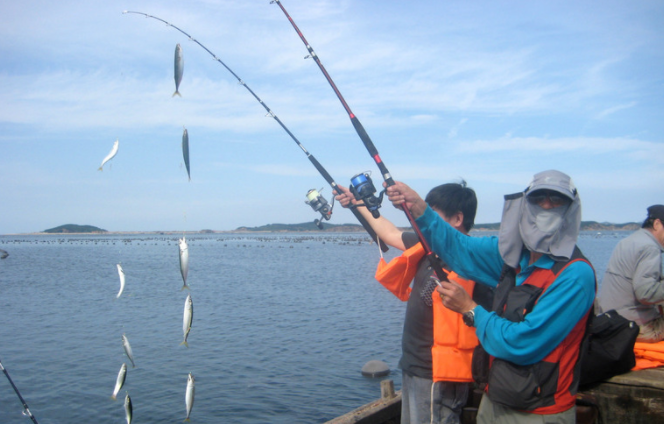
[73, 228]
[310, 226]
[585, 226]
[305, 226]
[606, 226]
[342, 228]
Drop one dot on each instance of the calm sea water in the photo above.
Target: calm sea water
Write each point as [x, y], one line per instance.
[282, 326]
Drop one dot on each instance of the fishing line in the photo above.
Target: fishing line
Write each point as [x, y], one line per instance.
[373, 152]
[26, 410]
[271, 114]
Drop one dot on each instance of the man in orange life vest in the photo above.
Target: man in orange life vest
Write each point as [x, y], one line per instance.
[437, 347]
[544, 295]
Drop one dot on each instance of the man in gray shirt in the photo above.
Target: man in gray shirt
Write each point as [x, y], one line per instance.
[633, 284]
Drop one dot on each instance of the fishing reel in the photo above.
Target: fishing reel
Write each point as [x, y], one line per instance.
[363, 189]
[320, 205]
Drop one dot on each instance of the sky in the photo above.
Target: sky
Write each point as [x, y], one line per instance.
[486, 91]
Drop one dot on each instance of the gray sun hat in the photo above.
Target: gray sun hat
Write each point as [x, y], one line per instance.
[519, 229]
[553, 180]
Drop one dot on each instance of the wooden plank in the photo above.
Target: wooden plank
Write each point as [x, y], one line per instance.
[633, 398]
[386, 410]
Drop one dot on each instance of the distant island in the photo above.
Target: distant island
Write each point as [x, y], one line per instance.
[304, 226]
[330, 228]
[585, 226]
[310, 226]
[73, 228]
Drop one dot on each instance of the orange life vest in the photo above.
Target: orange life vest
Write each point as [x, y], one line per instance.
[453, 341]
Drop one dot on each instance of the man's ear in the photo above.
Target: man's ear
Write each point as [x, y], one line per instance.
[456, 220]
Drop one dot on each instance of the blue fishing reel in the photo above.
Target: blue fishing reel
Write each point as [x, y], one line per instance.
[363, 189]
[320, 205]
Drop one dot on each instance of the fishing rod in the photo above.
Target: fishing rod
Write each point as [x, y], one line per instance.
[26, 410]
[314, 199]
[361, 185]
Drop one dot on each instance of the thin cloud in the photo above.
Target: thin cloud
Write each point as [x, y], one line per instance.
[455, 129]
[594, 145]
[610, 111]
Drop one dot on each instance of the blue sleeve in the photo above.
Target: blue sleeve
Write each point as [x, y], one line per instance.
[555, 314]
[473, 258]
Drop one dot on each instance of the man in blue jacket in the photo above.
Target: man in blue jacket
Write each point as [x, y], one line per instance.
[534, 335]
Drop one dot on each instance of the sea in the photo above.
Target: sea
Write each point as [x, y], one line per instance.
[283, 324]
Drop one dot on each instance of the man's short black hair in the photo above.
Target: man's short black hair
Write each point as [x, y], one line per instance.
[452, 198]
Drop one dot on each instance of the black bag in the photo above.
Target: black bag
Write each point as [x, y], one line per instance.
[608, 347]
[480, 366]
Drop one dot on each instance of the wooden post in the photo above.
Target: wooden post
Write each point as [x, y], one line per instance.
[387, 389]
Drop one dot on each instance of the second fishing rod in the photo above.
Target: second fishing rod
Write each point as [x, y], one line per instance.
[314, 199]
[361, 185]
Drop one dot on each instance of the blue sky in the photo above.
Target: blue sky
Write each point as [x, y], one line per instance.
[488, 91]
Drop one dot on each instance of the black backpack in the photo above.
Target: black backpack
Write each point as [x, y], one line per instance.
[608, 347]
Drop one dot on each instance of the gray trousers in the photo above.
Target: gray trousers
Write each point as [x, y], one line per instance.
[426, 402]
[493, 413]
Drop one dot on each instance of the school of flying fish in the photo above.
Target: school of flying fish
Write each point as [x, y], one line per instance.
[184, 270]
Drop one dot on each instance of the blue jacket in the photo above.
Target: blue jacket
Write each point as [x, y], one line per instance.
[556, 313]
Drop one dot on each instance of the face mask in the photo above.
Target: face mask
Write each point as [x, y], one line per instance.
[549, 220]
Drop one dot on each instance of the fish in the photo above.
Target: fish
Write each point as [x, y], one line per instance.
[122, 280]
[189, 395]
[127, 348]
[120, 381]
[185, 151]
[129, 409]
[184, 261]
[187, 318]
[111, 155]
[179, 69]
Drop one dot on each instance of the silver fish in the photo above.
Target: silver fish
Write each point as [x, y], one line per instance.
[184, 261]
[127, 348]
[122, 375]
[114, 151]
[185, 151]
[189, 395]
[187, 319]
[122, 280]
[179, 69]
[129, 409]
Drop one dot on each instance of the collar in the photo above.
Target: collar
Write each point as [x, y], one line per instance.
[653, 238]
[544, 262]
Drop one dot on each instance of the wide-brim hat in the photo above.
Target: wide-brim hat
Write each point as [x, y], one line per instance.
[553, 180]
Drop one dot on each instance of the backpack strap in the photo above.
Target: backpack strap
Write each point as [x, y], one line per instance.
[576, 255]
[506, 283]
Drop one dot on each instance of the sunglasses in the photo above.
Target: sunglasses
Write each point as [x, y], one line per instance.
[556, 199]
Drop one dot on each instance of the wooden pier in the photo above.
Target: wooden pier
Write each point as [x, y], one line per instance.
[636, 397]
[633, 398]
